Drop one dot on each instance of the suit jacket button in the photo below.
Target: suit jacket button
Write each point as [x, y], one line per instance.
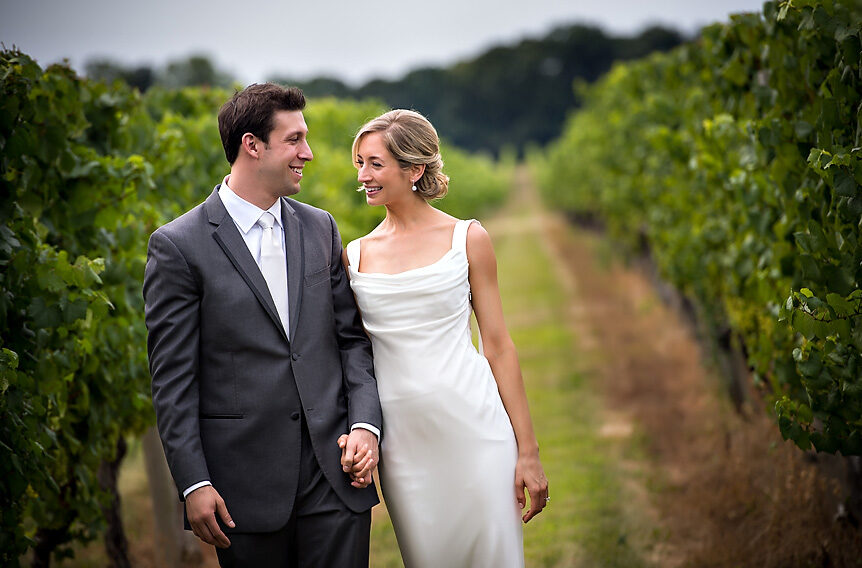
[294, 416]
[294, 356]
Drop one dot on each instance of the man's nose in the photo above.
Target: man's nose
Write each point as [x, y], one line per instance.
[305, 153]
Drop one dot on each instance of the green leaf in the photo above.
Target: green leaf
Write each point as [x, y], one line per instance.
[840, 159]
[817, 158]
[798, 435]
[820, 382]
[8, 240]
[49, 277]
[841, 306]
[74, 311]
[804, 242]
[824, 443]
[735, 72]
[829, 116]
[804, 414]
[838, 327]
[8, 359]
[843, 32]
[43, 314]
[16, 463]
[810, 267]
[811, 367]
[844, 183]
[814, 303]
[804, 324]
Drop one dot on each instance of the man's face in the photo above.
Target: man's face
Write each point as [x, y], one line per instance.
[282, 159]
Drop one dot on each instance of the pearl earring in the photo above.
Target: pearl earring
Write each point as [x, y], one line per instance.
[414, 187]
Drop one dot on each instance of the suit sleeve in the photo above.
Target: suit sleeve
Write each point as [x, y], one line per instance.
[363, 403]
[172, 311]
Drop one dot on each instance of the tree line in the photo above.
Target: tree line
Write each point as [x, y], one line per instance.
[506, 98]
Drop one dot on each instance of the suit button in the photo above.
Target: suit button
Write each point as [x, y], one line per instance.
[294, 356]
[294, 416]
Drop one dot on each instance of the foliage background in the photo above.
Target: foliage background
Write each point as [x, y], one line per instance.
[734, 163]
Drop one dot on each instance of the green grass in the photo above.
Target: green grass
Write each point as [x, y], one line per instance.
[384, 547]
[584, 525]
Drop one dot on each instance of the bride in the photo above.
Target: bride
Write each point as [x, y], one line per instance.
[459, 448]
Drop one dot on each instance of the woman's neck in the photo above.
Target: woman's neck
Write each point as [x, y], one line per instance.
[408, 216]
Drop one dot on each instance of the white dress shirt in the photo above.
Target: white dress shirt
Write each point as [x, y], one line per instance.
[245, 216]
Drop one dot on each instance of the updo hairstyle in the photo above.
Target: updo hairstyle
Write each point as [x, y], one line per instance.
[411, 139]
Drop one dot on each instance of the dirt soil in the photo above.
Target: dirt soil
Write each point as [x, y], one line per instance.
[724, 488]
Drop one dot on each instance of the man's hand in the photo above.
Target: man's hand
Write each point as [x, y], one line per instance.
[202, 504]
[359, 456]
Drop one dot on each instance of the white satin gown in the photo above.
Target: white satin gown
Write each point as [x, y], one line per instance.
[448, 452]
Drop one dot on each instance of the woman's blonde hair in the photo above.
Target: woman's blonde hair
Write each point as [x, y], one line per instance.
[411, 140]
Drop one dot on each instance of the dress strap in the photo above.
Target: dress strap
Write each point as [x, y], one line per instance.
[459, 235]
[353, 254]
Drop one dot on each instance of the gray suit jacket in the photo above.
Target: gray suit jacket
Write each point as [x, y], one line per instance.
[229, 385]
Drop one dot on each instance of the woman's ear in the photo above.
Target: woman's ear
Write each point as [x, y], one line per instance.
[416, 171]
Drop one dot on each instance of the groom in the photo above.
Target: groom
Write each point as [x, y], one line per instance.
[258, 356]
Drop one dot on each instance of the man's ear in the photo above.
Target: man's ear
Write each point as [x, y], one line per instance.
[251, 145]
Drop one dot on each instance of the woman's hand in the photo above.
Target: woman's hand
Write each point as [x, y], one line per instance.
[530, 475]
[359, 456]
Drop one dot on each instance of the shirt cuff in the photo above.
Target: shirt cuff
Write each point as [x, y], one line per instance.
[195, 486]
[373, 429]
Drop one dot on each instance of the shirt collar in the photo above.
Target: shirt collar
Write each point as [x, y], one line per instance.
[245, 214]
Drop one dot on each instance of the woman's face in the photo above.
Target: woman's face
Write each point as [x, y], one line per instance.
[381, 176]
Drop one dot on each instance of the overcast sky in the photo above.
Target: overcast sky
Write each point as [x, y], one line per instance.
[354, 41]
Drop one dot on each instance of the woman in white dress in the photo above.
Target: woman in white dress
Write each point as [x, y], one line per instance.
[458, 448]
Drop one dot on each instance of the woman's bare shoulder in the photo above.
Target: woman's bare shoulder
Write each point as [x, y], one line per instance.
[478, 238]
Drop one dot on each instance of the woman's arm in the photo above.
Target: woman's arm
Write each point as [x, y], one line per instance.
[503, 357]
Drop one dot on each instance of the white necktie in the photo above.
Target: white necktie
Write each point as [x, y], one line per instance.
[273, 265]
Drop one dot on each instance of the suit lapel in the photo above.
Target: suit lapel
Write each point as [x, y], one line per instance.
[295, 261]
[227, 236]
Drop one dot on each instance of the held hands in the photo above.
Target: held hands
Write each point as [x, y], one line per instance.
[201, 506]
[530, 475]
[359, 456]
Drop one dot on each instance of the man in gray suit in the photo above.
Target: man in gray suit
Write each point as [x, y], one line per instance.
[258, 356]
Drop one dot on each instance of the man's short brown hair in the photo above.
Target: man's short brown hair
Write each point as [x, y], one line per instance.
[253, 110]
